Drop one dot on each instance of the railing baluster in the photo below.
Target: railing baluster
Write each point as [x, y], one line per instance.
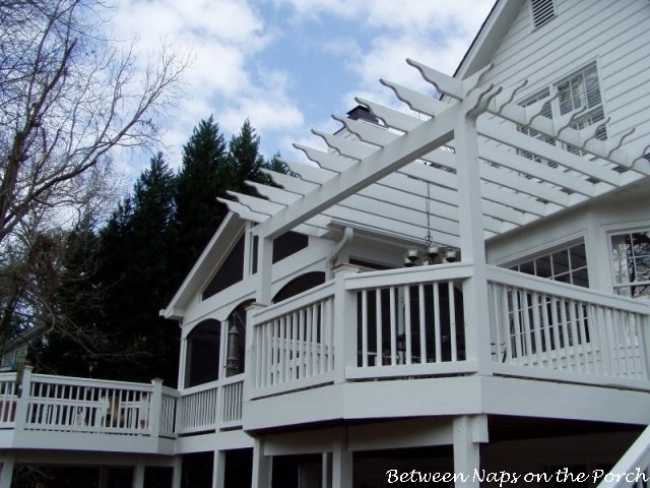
[379, 326]
[436, 323]
[452, 321]
[423, 324]
[364, 328]
[407, 322]
[393, 326]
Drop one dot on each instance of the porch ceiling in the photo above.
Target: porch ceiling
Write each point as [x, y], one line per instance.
[400, 178]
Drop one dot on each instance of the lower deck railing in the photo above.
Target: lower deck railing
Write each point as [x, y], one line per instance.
[56, 404]
[210, 407]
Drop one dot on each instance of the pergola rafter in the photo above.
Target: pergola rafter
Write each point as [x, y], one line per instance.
[403, 174]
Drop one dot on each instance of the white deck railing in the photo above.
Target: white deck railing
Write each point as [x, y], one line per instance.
[409, 321]
[293, 342]
[57, 403]
[213, 406]
[8, 396]
[543, 328]
[633, 469]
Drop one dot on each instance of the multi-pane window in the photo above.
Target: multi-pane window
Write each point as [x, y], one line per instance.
[581, 92]
[566, 265]
[631, 263]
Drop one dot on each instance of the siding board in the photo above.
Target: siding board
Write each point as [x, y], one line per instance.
[613, 33]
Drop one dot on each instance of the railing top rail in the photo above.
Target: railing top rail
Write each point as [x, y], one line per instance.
[212, 385]
[11, 376]
[170, 391]
[410, 276]
[572, 292]
[297, 302]
[90, 382]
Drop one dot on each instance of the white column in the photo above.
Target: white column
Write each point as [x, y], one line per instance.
[467, 455]
[177, 471]
[264, 270]
[138, 474]
[103, 477]
[155, 409]
[250, 377]
[7, 472]
[342, 462]
[472, 244]
[182, 361]
[325, 470]
[345, 332]
[219, 469]
[262, 466]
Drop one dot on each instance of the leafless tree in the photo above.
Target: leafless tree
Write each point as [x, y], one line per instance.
[69, 98]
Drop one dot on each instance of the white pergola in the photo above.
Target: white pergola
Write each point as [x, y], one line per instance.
[457, 169]
[380, 182]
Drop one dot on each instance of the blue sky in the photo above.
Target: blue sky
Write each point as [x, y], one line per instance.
[287, 65]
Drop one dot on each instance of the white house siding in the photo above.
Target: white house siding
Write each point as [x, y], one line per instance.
[612, 32]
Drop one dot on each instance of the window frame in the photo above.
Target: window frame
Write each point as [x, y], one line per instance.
[553, 93]
[615, 285]
[549, 253]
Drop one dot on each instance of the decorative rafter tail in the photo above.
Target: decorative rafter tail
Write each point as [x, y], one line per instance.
[443, 83]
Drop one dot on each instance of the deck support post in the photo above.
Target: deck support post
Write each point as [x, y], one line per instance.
[7, 472]
[262, 466]
[472, 243]
[468, 432]
[325, 470]
[177, 472]
[219, 469]
[103, 477]
[342, 462]
[138, 474]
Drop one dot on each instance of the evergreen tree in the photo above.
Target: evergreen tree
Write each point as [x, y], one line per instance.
[204, 176]
[245, 159]
[137, 251]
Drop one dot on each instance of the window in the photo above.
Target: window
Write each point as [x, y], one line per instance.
[579, 95]
[581, 92]
[230, 272]
[631, 263]
[542, 11]
[567, 265]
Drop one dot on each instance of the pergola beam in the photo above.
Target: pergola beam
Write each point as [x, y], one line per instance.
[421, 140]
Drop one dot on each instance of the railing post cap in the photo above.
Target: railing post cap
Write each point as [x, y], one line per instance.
[346, 267]
[157, 381]
[255, 306]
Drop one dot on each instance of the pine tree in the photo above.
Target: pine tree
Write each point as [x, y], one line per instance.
[204, 176]
[245, 159]
[138, 248]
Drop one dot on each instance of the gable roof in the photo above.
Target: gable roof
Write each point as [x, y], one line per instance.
[211, 257]
[489, 37]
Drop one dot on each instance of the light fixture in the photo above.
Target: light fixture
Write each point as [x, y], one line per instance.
[431, 249]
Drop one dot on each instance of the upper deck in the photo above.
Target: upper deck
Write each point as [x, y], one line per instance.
[384, 344]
